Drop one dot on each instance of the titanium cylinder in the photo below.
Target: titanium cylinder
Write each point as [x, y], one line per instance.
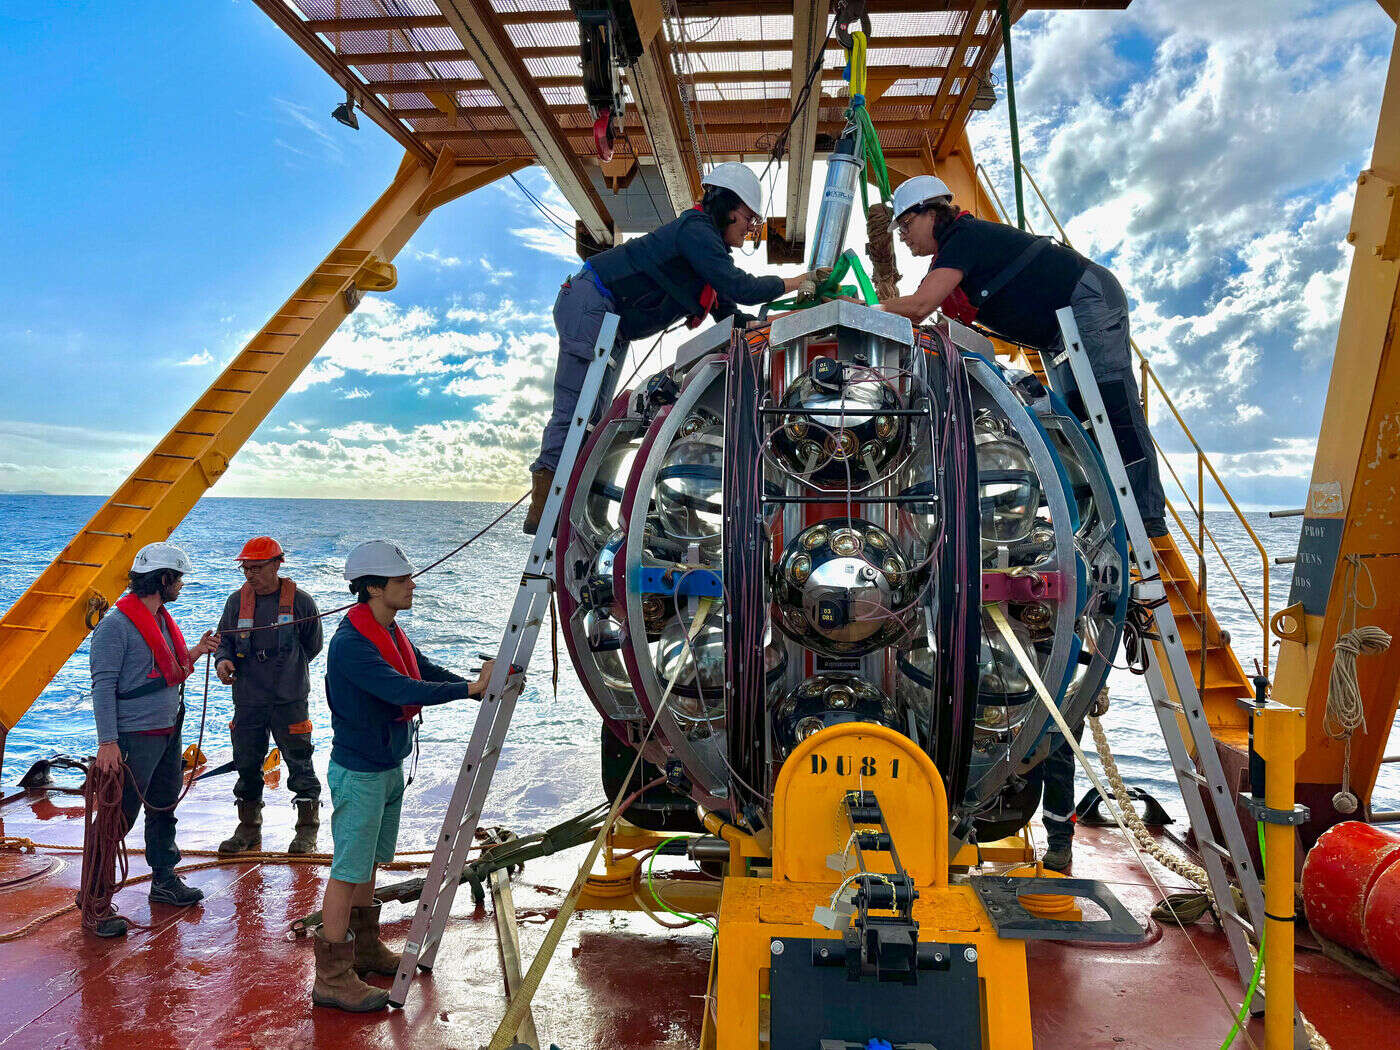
[844, 170]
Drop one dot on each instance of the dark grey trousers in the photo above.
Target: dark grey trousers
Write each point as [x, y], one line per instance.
[1057, 774]
[578, 316]
[1101, 312]
[155, 764]
[289, 724]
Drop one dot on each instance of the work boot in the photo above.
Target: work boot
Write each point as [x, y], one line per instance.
[337, 984]
[166, 888]
[539, 493]
[110, 925]
[308, 821]
[248, 835]
[371, 955]
[1059, 858]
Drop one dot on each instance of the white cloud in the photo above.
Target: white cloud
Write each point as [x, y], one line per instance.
[435, 258]
[549, 240]
[1207, 154]
[355, 393]
[204, 357]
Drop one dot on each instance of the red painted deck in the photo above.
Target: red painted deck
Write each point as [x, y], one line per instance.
[224, 975]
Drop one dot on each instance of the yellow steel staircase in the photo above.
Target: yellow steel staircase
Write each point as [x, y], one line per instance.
[51, 619]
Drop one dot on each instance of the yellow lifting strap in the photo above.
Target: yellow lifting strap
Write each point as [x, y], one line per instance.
[520, 1002]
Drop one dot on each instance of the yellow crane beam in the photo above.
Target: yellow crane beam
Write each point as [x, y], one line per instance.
[1348, 567]
[50, 620]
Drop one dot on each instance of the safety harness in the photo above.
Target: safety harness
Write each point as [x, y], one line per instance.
[171, 667]
[247, 600]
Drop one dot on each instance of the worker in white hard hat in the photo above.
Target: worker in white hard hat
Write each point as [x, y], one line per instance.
[1012, 283]
[377, 681]
[139, 664]
[681, 270]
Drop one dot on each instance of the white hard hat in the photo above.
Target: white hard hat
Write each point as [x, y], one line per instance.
[377, 558]
[155, 556]
[919, 190]
[731, 175]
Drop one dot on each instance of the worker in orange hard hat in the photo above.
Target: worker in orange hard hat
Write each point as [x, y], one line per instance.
[273, 633]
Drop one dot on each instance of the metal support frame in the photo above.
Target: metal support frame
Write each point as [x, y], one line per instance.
[507, 681]
[809, 18]
[1204, 789]
[653, 81]
[479, 29]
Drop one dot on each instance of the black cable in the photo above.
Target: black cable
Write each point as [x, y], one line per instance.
[800, 104]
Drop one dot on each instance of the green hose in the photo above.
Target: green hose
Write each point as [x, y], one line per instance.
[1258, 964]
[657, 897]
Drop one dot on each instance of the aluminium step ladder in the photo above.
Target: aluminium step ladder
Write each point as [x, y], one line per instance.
[1204, 789]
[507, 682]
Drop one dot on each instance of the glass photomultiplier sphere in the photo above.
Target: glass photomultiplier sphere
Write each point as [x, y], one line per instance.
[842, 588]
[1008, 486]
[827, 700]
[688, 503]
[834, 434]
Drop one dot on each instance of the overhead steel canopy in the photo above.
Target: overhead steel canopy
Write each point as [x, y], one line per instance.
[499, 79]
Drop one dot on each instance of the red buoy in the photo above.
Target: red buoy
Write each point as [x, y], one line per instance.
[1381, 920]
[1338, 877]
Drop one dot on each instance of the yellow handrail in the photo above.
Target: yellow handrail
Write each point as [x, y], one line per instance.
[1203, 464]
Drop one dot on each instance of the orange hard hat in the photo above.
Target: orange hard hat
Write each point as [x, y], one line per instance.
[260, 548]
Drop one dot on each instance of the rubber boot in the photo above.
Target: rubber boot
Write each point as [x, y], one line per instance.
[248, 835]
[539, 493]
[337, 984]
[371, 954]
[308, 821]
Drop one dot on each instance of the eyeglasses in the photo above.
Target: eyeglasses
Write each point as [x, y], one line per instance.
[250, 567]
[903, 223]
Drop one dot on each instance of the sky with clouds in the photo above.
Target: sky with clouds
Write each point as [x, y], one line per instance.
[162, 197]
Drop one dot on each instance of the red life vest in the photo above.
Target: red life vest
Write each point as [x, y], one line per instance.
[247, 600]
[174, 667]
[393, 649]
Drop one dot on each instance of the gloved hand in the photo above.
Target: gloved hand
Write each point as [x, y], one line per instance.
[807, 290]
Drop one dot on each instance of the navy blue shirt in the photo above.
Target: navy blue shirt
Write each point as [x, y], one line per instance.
[367, 697]
[693, 254]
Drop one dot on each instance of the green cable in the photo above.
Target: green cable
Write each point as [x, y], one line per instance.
[1258, 963]
[656, 897]
[1011, 112]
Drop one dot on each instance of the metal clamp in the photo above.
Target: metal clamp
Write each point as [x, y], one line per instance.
[1255, 807]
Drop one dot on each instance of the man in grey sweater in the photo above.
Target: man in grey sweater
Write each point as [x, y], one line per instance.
[139, 665]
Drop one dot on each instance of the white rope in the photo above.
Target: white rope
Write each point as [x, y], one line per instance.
[1345, 711]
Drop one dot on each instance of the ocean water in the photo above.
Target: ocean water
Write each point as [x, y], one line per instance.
[460, 610]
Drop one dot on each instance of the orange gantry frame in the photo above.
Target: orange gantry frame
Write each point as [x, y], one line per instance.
[475, 90]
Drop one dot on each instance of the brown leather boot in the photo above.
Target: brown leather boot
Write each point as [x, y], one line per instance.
[540, 480]
[248, 835]
[337, 984]
[371, 954]
[308, 823]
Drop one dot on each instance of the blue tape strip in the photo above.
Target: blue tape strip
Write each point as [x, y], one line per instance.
[696, 583]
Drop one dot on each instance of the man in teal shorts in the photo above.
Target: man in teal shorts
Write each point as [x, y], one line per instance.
[376, 683]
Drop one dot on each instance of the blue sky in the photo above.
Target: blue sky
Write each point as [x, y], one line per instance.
[172, 172]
